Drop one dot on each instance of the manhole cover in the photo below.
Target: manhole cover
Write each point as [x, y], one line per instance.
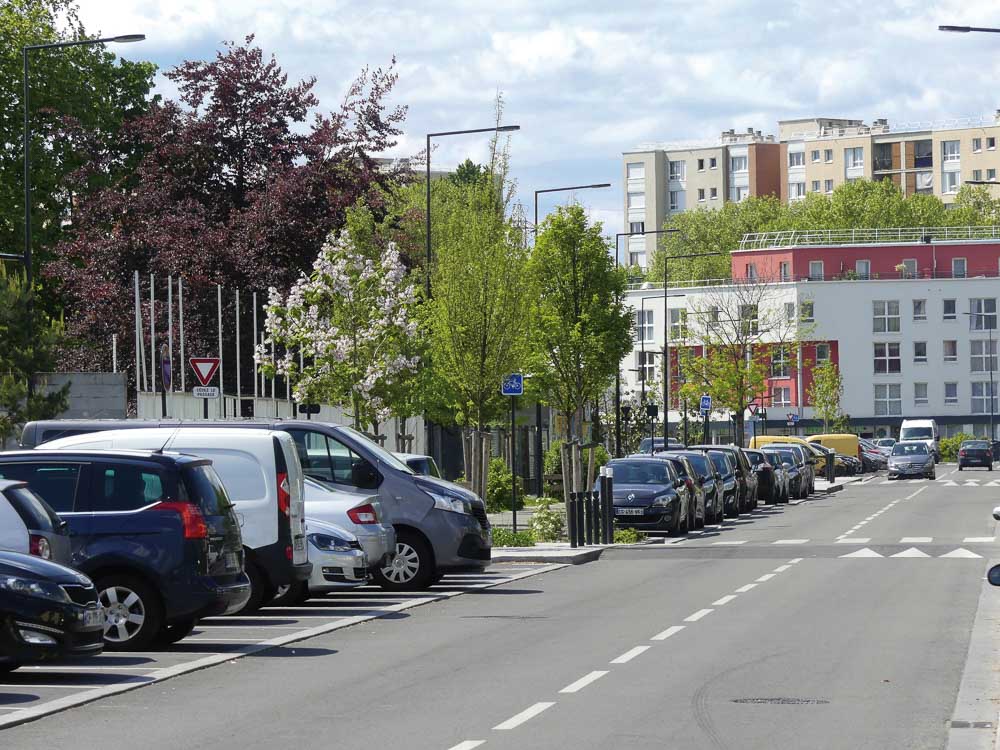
[783, 701]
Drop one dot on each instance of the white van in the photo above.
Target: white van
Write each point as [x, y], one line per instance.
[263, 477]
[925, 430]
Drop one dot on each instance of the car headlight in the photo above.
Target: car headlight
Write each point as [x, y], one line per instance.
[662, 500]
[29, 587]
[329, 542]
[450, 503]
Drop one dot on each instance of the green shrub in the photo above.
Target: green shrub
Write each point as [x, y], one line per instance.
[628, 536]
[949, 446]
[507, 538]
[498, 488]
[548, 525]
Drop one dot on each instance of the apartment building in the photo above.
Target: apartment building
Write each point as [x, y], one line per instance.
[909, 316]
[664, 179]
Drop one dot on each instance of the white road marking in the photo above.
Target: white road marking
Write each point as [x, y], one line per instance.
[795, 560]
[948, 483]
[914, 494]
[790, 541]
[468, 745]
[529, 713]
[994, 483]
[630, 654]
[576, 687]
[744, 589]
[854, 540]
[971, 483]
[781, 568]
[724, 544]
[916, 540]
[960, 552]
[723, 600]
[667, 633]
[870, 517]
[765, 577]
[978, 540]
[698, 615]
[910, 552]
[863, 552]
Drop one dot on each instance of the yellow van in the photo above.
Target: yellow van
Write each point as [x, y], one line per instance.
[844, 443]
[759, 441]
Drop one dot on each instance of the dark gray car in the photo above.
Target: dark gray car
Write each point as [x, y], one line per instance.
[47, 533]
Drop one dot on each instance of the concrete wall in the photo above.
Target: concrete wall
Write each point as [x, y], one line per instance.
[92, 395]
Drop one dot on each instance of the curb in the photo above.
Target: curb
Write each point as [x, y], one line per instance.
[833, 488]
[566, 558]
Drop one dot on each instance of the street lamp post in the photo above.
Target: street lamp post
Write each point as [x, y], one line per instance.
[538, 404]
[991, 357]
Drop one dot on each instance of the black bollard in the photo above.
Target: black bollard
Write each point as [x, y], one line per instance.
[609, 501]
[579, 519]
[571, 519]
[588, 518]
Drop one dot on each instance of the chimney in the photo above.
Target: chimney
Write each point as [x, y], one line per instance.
[749, 131]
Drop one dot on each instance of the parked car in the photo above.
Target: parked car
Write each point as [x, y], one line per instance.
[360, 513]
[711, 484]
[440, 526]
[847, 466]
[728, 481]
[47, 610]
[925, 430]
[911, 458]
[767, 482]
[692, 480]
[792, 463]
[806, 464]
[813, 450]
[29, 525]
[975, 453]
[338, 562]
[746, 480]
[781, 477]
[423, 465]
[844, 443]
[154, 531]
[658, 445]
[885, 443]
[649, 495]
[873, 457]
[263, 480]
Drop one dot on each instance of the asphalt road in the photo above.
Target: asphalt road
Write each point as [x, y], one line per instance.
[761, 634]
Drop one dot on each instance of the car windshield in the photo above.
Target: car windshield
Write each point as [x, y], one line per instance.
[976, 444]
[641, 472]
[909, 449]
[916, 433]
[720, 462]
[788, 456]
[700, 464]
[380, 453]
[773, 458]
[885, 442]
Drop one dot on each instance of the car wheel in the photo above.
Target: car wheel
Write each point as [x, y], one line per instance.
[733, 511]
[411, 568]
[133, 613]
[960, 467]
[261, 590]
[170, 634]
[290, 594]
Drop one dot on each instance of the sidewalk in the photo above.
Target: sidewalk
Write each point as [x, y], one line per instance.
[823, 486]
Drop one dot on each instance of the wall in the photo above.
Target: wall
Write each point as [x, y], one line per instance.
[765, 169]
[92, 395]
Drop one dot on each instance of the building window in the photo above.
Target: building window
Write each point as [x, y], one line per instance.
[977, 174]
[789, 311]
[951, 393]
[644, 326]
[637, 227]
[677, 170]
[950, 151]
[645, 365]
[712, 163]
[678, 323]
[982, 356]
[739, 193]
[785, 271]
[991, 144]
[781, 396]
[885, 316]
[713, 193]
[636, 200]
[854, 158]
[909, 268]
[806, 311]
[920, 309]
[676, 200]
[828, 155]
[888, 400]
[637, 259]
[950, 350]
[982, 313]
[701, 194]
[816, 270]
[887, 360]
[748, 318]
[827, 186]
[796, 159]
[822, 353]
[923, 183]
[701, 165]
[636, 171]
[958, 266]
[738, 163]
[950, 181]
[982, 396]
[815, 186]
[780, 364]
[920, 351]
[863, 268]
[920, 394]
[977, 145]
[991, 174]
[815, 156]
[949, 309]
[751, 271]
[796, 190]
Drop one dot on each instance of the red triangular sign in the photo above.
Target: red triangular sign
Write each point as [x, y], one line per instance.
[204, 368]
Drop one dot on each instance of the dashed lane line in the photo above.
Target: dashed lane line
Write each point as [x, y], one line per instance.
[672, 630]
[746, 588]
[781, 568]
[723, 600]
[576, 687]
[630, 655]
[916, 540]
[467, 745]
[729, 543]
[853, 540]
[765, 577]
[790, 541]
[978, 540]
[529, 713]
[698, 615]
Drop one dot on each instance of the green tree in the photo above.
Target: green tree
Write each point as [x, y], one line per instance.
[825, 392]
[468, 173]
[582, 325]
[28, 345]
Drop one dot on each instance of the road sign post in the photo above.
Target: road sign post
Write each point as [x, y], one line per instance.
[706, 409]
[513, 386]
[164, 378]
[204, 370]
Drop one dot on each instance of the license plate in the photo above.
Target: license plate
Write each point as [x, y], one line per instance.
[300, 543]
[231, 560]
[629, 511]
[93, 618]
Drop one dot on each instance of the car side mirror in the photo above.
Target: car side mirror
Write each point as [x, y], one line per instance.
[996, 513]
[994, 575]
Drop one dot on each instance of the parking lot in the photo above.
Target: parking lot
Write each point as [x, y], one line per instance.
[38, 690]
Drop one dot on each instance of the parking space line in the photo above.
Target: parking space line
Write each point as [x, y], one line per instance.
[529, 713]
[744, 589]
[575, 687]
[629, 655]
[723, 600]
[698, 615]
[672, 630]
[978, 540]
[467, 745]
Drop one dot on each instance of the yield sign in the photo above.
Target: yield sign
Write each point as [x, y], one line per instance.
[204, 368]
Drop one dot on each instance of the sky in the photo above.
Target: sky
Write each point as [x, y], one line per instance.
[586, 80]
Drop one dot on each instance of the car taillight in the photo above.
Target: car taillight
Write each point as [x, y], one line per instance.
[39, 546]
[288, 552]
[363, 514]
[961, 453]
[191, 516]
[284, 496]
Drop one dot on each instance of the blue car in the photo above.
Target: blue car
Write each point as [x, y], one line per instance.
[154, 531]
